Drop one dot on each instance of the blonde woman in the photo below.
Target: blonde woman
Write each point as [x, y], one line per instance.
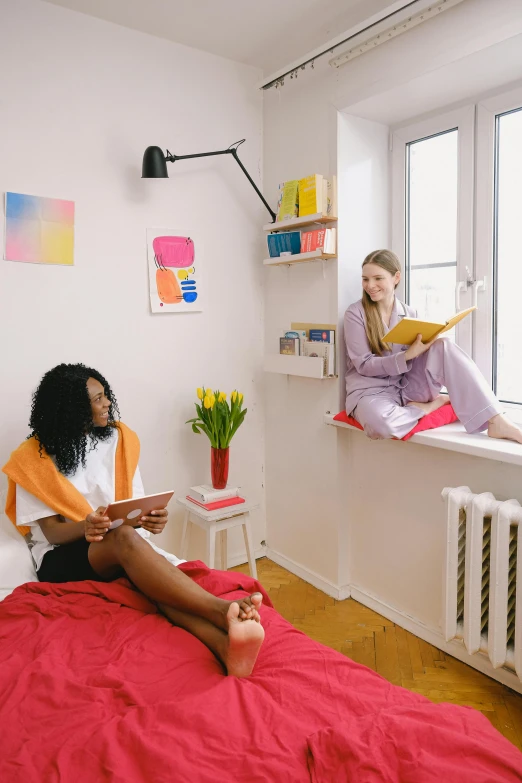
[390, 387]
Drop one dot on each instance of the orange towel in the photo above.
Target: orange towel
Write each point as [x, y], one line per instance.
[39, 476]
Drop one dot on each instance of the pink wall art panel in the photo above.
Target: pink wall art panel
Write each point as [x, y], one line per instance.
[174, 271]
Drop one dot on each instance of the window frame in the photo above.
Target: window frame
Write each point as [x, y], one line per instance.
[462, 119]
[485, 202]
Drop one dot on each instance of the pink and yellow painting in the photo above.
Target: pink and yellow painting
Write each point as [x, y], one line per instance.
[39, 230]
[174, 272]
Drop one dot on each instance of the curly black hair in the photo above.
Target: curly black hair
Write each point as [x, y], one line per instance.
[61, 415]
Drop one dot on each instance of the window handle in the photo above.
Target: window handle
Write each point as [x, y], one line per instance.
[460, 286]
[477, 285]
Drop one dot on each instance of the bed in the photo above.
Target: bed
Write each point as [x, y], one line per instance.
[96, 686]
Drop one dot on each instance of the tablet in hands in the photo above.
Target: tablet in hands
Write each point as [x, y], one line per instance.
[135, 508]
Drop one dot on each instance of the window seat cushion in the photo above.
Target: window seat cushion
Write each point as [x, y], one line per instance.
[440, 417]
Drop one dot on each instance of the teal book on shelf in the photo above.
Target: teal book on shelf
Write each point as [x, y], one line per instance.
[284, 242]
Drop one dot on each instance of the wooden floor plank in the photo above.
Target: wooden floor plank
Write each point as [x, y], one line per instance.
[386, 655]
[506, 724]
[417, 666]
[513, 703]
[426, 651]
[373, 641]
[403, 654]
[457, 686]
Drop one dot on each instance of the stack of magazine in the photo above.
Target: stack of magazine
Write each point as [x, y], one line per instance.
[311, 342]
[205, 496]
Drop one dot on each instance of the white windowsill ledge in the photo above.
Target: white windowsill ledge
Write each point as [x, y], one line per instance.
[454, 437]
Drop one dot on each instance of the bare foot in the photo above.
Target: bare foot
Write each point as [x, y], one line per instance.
[429, 407]
[249, 606]
[501, 427]
[244, 640]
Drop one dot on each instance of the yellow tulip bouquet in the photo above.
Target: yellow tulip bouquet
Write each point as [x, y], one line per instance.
[218, 419]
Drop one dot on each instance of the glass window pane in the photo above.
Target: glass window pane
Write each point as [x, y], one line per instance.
[431, 231]
[508, 258]
[433, 291]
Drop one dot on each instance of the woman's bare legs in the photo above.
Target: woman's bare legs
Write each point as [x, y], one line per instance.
[162, 582]
[498, 427]
[445, 364]
[501, 427]
[237, 650]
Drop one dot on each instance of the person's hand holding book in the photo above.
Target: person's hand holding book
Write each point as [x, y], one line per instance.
[417, 348]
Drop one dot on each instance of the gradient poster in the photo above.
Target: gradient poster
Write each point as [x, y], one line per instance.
[39, 230]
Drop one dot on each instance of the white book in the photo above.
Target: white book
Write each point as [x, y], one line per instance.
[330, 207]
[205, 493]
[324, 350]
[330, 238]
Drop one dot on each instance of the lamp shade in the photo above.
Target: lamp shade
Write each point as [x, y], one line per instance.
[154, 163]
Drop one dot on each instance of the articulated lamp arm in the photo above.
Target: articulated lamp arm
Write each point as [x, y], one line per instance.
[155, 165]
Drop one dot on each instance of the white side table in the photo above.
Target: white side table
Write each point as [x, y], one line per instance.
[218, 521]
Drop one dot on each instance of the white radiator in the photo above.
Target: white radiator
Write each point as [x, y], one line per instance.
[483, 573]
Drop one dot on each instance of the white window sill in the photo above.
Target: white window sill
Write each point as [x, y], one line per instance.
[454, 437]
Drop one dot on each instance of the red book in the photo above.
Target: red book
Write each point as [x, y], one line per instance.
[217, 503]
[311, 240]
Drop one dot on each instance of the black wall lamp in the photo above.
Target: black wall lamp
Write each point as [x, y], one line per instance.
[155, 165]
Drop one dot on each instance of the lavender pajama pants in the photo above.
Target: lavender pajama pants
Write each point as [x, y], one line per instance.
[385, 413]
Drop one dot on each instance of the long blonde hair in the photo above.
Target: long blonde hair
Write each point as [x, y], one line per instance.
[374, 325]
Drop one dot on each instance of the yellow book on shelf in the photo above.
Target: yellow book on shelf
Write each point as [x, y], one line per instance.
[406, 331]
[311, 195]
[288, 200]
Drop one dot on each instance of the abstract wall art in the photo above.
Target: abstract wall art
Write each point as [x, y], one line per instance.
[39, 230]
[175, 260]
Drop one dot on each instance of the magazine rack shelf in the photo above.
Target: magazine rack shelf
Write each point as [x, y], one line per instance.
[305, 366]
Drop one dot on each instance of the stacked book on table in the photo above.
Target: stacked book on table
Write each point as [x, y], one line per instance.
[205, 496]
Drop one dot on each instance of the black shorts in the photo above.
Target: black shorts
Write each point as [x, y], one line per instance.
[68, 563]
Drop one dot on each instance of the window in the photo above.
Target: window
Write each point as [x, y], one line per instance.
[507, 257]
[457, 224]
[431, 224]
[432, 221]
[499, 244]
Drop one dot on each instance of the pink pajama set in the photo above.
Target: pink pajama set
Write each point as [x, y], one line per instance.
[378, 388]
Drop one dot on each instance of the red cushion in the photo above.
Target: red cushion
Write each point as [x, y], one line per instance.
[440, 417]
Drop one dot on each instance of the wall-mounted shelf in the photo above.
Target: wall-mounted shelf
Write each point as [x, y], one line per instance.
[306, 220]
[299, 258]
[306, 366]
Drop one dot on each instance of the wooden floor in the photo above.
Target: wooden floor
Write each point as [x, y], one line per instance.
[366, 637]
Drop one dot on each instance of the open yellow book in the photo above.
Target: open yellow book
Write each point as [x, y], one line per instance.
[406, 331]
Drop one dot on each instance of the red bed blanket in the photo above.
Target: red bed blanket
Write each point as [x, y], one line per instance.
[96, 686]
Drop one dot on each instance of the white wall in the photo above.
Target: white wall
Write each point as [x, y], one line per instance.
[344, 510]
[398, 546]
[364, 191]
[300, 458]
[81, 99]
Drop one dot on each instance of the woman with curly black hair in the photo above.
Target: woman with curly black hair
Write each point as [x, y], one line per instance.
[64, 429]
[79, 458]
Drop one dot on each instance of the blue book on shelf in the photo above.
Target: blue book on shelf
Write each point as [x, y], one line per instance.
[284, 242]
[322, 335]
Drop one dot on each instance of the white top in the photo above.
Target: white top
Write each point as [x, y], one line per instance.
[95, 481]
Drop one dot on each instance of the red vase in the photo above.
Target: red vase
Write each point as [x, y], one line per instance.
[219, 467]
